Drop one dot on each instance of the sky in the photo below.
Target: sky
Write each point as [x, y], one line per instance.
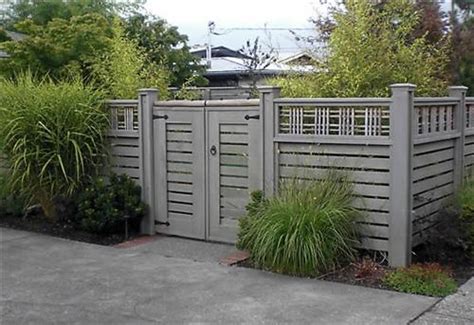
[192, 17]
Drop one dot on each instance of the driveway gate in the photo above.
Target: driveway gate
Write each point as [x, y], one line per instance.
[207, 161]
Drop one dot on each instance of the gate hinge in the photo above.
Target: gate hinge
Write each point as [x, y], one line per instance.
[254, 117]
[162, 223]
[156, 117]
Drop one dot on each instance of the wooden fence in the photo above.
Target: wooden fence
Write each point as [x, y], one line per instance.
[407, 156]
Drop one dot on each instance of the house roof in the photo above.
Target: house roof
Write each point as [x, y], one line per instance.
[15, 36]
[217, 52]
[236, 66]
[298, 58]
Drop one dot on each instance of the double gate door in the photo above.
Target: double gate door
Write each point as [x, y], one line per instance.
[207, 162]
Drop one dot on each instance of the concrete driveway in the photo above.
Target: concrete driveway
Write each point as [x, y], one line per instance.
[47, 280]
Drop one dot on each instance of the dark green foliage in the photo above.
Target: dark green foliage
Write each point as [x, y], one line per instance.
[467, 214]
[11, 204]
[104, 204]
[41, 12]
[426, 279]
[307, 229]
[165, 46]
[59, 49]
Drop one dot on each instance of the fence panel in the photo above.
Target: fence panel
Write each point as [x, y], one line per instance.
[469, 140]
[434, 161]
[351, 135]
[124, 138]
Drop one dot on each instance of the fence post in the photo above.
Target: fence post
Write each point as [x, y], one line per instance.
[402, 117]
[267, 112]
[460, 125]
[146, 99]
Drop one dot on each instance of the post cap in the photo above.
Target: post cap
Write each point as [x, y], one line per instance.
[406, 85]
[147, 90]
[462, 88]
[268, 89]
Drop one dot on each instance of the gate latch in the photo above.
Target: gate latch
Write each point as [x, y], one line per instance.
[162, 223]
[213, 150]
[253, 117]
[156, 117]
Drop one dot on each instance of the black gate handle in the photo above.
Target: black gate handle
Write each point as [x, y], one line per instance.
[165, 117]
[254, 117]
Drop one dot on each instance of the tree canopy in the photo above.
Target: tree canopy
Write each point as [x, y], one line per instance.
[64, 37]
[370, 47]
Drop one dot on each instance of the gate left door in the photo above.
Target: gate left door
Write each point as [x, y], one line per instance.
[180, 171]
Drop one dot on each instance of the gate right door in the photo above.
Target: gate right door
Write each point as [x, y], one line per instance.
[234, 156]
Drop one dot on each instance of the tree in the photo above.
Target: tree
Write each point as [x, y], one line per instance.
[41, 12]
[256, 59]
[464, 54]
[58, 49]
[370, 48]
[124, 68]
[165, 46]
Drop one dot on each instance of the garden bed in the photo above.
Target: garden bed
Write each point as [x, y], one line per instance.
[369, 272]
[60, 229]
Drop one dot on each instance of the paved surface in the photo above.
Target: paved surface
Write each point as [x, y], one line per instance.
[454, 309]
[47, 280]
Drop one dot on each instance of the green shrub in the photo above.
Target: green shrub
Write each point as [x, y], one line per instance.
[52, 135]
[306, 229]
[103, 205]
[466, 197]
[11, 204]
[427, 279]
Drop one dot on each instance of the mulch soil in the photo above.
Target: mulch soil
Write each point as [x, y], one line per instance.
[61, 229]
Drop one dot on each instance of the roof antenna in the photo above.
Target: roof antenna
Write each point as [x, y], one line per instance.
[211, 27]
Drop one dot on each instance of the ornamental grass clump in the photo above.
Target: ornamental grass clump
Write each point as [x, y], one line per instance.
[53, 135]
[308, 228]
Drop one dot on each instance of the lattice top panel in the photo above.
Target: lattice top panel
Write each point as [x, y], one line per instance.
[435, 118]
[329, 120]
[470, 113]
[124, 116]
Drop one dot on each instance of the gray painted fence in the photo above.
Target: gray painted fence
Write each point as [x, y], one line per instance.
[405, 155]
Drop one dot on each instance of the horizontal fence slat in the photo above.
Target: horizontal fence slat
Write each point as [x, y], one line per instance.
[433, 170]
[234, 181]
[313, 160]
[132, 172]
[435, 157]
[234, 149]
[431, 183]
[432, 146]
[356, 175]
[179, 157]
[234, 138]
[180, 187]
[234, 171]
[180, 207]
[178, 197]
[180, 177]
[125, 162]
[339, 149]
